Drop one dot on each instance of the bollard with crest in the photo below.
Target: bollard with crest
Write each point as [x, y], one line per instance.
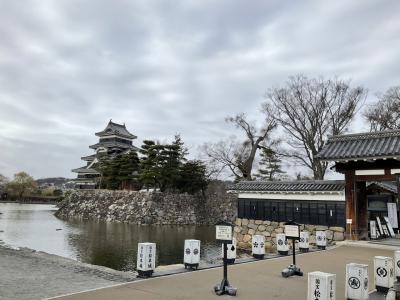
[304, 244]
[384, 273]
[281, 244]
[320, 237]
[258, 246]
[356, 281]
[191, 256]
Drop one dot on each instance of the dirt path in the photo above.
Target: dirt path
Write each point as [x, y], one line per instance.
[27, 274]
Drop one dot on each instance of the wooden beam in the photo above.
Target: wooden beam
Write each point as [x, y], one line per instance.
[386, 177]
[350, 204]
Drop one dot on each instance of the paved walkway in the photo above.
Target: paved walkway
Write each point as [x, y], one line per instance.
[258, 280]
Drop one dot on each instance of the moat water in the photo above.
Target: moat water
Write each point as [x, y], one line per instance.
[109, 244]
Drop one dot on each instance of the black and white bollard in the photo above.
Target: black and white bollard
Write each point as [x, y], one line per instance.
[397, 264]
[320, 237]
[191, 256]
[384, 273]
[231, 252]
[304, 244]
[356, 281]
[258, 246]
[282, 245]
[321, 286]
[146, 259]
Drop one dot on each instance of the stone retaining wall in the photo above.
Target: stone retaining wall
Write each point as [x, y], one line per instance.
[150, 208]
[245, 229]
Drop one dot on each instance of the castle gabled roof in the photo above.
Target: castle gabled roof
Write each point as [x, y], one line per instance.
[116, 129]
[362, 146]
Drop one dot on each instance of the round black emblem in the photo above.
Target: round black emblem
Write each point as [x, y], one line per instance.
[381, 272]
[280, 242]
[196, 251]
[255, 244]
[398, 263]
[354, 283]
[187, 251]
[301, 240]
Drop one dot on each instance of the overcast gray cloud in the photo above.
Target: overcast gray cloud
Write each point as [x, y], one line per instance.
[162, 67]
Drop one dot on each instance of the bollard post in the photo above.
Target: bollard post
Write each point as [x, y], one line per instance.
[282, 244]
[146, 259]
[321, 286]
[304, 245]
[191, 256]
[356, 282]
[231, 252]
[258, 246]
[397, 264]
[320, 237]
[383, 273]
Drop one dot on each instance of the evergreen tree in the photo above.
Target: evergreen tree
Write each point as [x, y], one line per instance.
[270, 165]
[192, 177]
[149, 164]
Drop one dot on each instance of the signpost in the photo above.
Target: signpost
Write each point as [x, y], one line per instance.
[292, 231]
[223, 234]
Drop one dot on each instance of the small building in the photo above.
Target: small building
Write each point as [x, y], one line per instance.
[317, 202]
[113, 140]
[362, 158]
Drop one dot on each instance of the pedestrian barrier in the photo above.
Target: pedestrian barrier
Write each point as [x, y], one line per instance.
[304, 244]
[383, 273]
[320, 237]
[321, 286]
[282, 244]
[258, 246]
[146, 259]
[356, 282]
[231, 252]
[191, 256]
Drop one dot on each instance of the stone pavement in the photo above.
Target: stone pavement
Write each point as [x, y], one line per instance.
[258, 280]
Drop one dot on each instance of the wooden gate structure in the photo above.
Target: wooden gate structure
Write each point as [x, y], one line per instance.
[373, 156]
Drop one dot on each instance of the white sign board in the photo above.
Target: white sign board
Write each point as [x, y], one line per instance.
[384, 272]
[349, 221]
[372, 229]
[392, 213]
[292, 231]
[356, 281]
[321, 286]
[389, 227]
[380, 226]
[223, 232]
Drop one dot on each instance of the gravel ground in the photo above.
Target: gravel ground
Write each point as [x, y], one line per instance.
[27, 274]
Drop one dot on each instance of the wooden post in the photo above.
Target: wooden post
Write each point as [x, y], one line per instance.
[351, 229]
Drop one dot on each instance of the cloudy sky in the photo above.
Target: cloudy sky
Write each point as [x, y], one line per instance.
[163, 67]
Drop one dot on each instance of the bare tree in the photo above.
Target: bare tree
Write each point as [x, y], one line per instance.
[385, 113]
[238, 156]
[309, 110]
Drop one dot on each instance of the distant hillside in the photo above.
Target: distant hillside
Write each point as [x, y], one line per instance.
[53, 181]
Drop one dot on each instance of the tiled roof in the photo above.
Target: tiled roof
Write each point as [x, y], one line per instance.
[290, 186]
[112, 145]
[89, 157]
[390, 186]
[116, 129]
[371, 145]
[85, 170]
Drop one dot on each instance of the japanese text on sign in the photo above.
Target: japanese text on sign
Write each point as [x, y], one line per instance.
[292, 231]
[223, 232]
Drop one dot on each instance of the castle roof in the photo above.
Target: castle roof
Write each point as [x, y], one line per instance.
[116, 129]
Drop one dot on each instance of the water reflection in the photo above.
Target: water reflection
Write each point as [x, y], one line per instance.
[102, 243]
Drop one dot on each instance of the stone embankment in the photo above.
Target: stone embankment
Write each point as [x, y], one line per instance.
[245, 229]
[150, 208]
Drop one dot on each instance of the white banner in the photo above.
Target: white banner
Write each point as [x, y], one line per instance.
[392, 214]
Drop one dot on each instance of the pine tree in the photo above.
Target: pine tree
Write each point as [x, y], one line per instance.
[270, 165]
